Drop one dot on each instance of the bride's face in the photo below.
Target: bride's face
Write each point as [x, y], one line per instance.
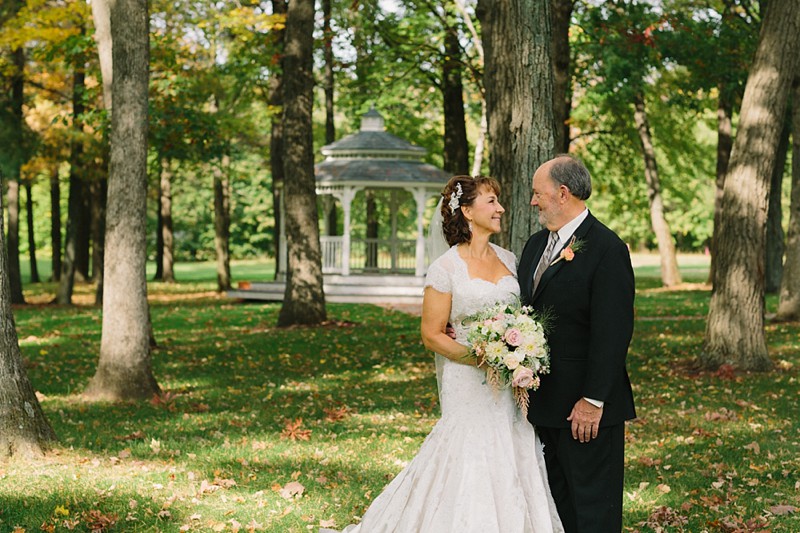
[486, 211]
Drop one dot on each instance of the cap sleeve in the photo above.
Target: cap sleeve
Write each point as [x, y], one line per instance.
[508, 258]
[440, 274]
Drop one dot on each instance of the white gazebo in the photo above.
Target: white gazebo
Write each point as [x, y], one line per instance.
[357, 268]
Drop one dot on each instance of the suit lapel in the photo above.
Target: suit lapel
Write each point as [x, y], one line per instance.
[551, 271]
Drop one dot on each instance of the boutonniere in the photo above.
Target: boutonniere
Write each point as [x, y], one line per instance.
[568, 253]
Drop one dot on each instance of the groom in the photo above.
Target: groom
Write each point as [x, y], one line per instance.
[586, 284]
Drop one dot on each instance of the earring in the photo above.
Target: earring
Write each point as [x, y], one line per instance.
[470, 226]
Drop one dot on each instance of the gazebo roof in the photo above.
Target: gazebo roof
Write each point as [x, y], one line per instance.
[372, 142]
[379, 172]
[372, 156]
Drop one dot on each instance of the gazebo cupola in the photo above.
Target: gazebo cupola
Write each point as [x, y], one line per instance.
[373, 161]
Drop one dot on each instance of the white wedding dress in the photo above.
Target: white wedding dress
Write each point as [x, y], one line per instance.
[481, 468]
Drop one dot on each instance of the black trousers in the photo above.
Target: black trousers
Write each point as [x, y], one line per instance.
[586, 479]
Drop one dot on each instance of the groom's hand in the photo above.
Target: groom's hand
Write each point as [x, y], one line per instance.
[585, 419]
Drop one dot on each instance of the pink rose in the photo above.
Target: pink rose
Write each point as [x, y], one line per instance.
[522, 377]
[513, 337]
[568, 254]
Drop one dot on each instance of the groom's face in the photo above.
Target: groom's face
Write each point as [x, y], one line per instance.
[546, 198]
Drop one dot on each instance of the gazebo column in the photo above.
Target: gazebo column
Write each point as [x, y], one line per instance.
[421, 198]
[393, 238]
[346, 196]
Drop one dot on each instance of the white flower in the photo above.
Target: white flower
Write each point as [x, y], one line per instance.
[495, 350]
[511, 361]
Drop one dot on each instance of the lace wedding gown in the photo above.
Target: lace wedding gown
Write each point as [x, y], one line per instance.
[481, 468]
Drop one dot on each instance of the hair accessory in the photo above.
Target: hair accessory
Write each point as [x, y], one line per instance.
[454, 197]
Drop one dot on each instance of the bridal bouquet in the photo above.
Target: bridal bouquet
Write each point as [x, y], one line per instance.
[510, 339]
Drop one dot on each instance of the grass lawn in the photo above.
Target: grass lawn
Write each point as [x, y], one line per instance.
[269, 429]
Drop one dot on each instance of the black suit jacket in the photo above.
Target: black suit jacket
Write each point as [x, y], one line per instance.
[590, 300]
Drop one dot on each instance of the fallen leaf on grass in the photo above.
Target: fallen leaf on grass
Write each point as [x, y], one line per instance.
[781, 510]
[327, 523]
[136, 435]
[293, 430]
[253, 526]
[292, 489]
[334, 414]
[97, 521]
[754, 447]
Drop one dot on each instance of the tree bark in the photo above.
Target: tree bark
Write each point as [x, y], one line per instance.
[99, 191]
[101, 16]
[24, 429]
[222, 223]
[518, 79]
[55, 222]
[327, 49]
[31, 233]
[561, 11]
[276, 136]
[167, 235]
[17, 99]
[304, 299]
[735, 326]
[14, 270]
[670, 275]
[789, 302]
[724, 146]
[124, 370]
[75, 202]
[159, 275]
[456, 146]
[775, 236]
[83, 231]
[477, 160]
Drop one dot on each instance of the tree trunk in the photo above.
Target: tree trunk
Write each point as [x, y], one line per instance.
[518, 79]
[327, 49]
[14, 270]
[561, 11]
[477, 160]
[167, 235]
[101, 16]
[276, 138]
[775, 236]
[17, 98]
[83, 231]
[124, 370]
[99, 191]
[67, 279]
[724, 146]
[456, 146]
[789, 303]
[24, 429]
[735, 326]
[159, 275]
[55, 222]
[222, 223]
[670, 275]
[31, 234]
[75, 202]
[304, 299]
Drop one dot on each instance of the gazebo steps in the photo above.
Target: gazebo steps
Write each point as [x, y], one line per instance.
[344, 289]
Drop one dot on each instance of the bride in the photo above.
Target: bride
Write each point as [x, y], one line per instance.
[481, 468]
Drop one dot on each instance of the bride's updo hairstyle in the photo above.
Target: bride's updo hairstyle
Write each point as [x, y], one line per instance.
[461, 191]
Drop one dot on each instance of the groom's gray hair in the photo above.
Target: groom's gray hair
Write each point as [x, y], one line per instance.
[570, 171]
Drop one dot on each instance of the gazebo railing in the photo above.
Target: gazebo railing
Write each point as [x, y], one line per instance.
[369, 255]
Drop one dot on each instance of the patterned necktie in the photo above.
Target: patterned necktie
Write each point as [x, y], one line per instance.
[544, 262]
